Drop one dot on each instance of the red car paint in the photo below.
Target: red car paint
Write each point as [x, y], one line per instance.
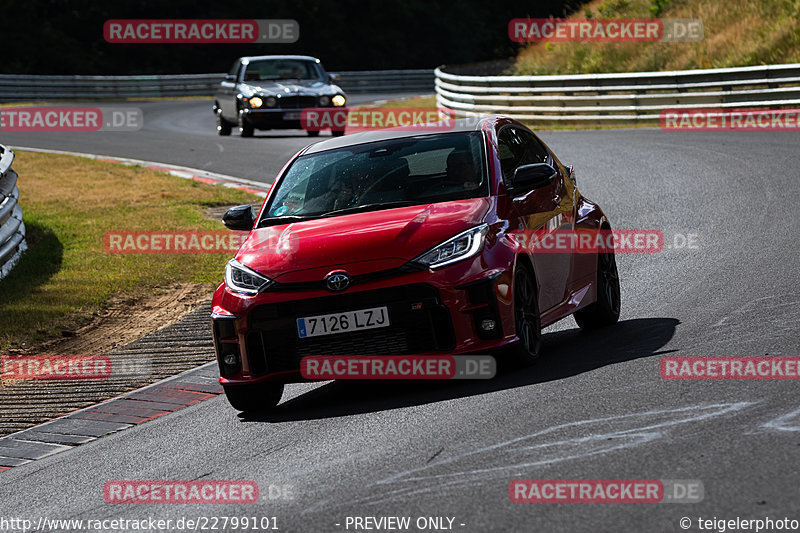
[376, 241]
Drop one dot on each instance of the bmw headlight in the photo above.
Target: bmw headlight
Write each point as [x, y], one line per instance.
[324, 100]
[338, 100]
[462, 246]
[271, 101]
[239, 278]
[256, 102]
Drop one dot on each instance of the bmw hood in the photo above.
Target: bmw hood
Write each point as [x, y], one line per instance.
[290, 87]
[359, 243]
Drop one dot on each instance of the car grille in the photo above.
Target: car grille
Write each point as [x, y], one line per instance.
[297, 102]
[419, 323]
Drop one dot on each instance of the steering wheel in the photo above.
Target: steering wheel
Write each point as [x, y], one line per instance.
[378, 182]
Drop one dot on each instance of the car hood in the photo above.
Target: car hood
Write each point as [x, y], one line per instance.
[307, 87]
[359, 243]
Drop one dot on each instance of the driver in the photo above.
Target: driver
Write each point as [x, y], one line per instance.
[339, 195]
[343, 192]
[461, 169]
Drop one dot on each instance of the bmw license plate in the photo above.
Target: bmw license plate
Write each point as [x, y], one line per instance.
[294, 115]
[313, 326]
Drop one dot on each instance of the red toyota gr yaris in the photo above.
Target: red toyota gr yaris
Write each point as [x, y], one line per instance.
[399, 242]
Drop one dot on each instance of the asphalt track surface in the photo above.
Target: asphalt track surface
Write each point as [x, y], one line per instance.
[595, 407]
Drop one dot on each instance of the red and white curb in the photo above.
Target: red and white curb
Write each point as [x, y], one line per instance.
[194, 174]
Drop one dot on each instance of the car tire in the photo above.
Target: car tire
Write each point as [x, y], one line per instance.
[526, 316]
[245, 128]
[256, 398]
[337, 133]
[224, 127]
[605, 311]
[314, 133]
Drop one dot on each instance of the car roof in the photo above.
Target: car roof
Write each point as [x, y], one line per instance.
[461, 125]
[307, 58]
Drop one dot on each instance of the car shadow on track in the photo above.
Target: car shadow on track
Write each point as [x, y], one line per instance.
[566, 353]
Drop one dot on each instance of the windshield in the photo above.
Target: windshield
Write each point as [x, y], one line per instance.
[282, 69]
[407, 171]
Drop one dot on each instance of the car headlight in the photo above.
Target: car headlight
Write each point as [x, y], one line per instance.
[271, 101]
[240, 278]
[256, 101]
[324, 100]
[462, 246]
[338, 100]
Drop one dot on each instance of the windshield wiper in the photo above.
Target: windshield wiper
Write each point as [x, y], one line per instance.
[288, 219]
[370, 207]
[285, 219]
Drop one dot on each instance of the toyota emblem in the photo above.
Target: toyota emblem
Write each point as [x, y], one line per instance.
[337, 281]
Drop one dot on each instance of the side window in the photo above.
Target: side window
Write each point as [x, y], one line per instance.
[517, 147]
[235, 68]
[508, 150]
[533, 151]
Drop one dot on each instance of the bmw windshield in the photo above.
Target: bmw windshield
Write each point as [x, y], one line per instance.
[282, 69]
[379, 175]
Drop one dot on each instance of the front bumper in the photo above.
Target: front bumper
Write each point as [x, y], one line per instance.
[431, 313]
[275, 118]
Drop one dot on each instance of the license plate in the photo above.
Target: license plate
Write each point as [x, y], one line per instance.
[295, 115]
[313, 326]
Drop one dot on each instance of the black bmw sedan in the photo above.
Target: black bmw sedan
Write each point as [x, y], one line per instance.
[270, 92]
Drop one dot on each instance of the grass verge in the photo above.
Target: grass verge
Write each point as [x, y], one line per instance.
[68, 204]
[736, 33]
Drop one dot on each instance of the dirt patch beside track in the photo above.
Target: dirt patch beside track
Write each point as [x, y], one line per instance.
[123, 320]
[164, 333]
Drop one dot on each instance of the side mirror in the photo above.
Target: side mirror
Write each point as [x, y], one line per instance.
[230, 77]
[530, 177]
[241, 217]
[332, 77]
